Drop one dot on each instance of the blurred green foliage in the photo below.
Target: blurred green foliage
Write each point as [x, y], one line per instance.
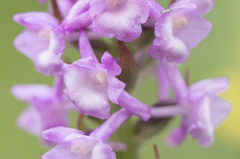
[217, 52]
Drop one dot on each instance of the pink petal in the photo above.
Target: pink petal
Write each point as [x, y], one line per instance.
[30, 92]
[30, 44]
[36, 20]
[106, 129]
[115, 88]
[103, 151]
[78, 8]
[209, 87]
[85, 46]
[122, 23]
[79, 22]
[176, 81]
[134, 106]
[155, 9]
[166, 45]
[61, 151]
[59, 134]
[202, 128]
[80, 87]
[110, 64]
[219, 110]
[65, 6]
[50, 61]
[30, 121]
[176, 137]
[163, 84]
[196, 29]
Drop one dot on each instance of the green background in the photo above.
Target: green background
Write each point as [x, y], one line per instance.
[216, 55]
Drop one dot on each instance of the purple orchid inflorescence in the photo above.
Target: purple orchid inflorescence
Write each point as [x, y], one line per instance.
[98, 86]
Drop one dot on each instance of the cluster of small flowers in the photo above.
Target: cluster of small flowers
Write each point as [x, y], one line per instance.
[88, 85]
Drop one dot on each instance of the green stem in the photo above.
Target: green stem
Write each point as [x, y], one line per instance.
[126, 135]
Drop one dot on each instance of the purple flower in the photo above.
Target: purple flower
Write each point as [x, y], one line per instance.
[90, 85]
[42, 41]
[120, 19]
[204, 111]
[179, 29]
[72, 144]
[46, 108]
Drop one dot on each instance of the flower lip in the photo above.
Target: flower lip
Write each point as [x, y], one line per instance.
[81, 83]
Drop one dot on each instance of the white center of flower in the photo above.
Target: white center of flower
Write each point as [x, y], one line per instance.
[101, 76]
[45, 59]
[113, 3]
[82, 148]
[179, 22]
[44, 34]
